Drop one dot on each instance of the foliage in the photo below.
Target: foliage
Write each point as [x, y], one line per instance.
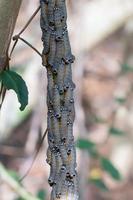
[12, 80]
[105, 164]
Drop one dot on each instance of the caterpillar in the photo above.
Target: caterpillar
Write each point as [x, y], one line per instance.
[68, 57]
[70, 137]
[60, 4]
[59, 51]
[51, 6]
[51, 179]
[64, 127]
[61, 179]
[44, 18]
[60, 78]
[64, 155]
[68, 97]
[49, 156]
[46, 43]
[58, 24]
[52, 51]
[72, 162]
[56, 130]
[68, 78]
[56, 102]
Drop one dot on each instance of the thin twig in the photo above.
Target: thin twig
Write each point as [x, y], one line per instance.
[35, 156]
[14, 45]
[23, 29]
[26, 42]
[19, 189]
[29, 21]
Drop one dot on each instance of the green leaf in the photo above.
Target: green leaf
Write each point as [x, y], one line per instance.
[110, 168]
[120, 100]
[116, 131]
[125, 68]
[12, 80]
[99, 183]
[85, 144]
[41, 194]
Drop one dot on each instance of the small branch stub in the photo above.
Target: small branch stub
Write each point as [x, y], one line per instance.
[57, 57]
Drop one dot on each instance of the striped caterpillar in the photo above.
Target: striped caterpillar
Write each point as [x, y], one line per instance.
[61, 179]
[56, 102]
[51, 6]
[51, 179]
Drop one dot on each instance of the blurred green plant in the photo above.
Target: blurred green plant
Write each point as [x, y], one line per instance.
[125, 68]
[116, 131]
[105, 164]
[12, 80]
[41, 194]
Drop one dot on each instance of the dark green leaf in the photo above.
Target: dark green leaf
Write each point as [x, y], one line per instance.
[99, 183]
[120, 100]
[116, 131]
[99, 119]
[41, 194]
[125, 68]
[85, 144]
[12, 80]
[110, 168]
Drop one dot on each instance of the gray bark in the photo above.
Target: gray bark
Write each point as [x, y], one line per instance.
[8, 15]
[57, 57]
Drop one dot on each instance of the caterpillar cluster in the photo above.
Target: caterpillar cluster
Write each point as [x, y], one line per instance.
[57, 58]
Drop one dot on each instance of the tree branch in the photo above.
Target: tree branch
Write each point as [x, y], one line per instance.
[8, 15]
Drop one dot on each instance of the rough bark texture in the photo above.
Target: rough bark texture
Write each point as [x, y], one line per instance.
[8, 15]
[57, 57]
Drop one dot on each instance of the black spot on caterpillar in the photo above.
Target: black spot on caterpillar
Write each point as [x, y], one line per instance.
[45, 1]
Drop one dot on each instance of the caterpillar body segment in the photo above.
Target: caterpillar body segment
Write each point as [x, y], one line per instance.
[51, 179]
[52, 51]
[61, 180]
[60, 78]
[51, 6]
[56, 102]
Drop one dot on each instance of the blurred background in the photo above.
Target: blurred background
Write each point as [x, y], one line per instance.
[101, 34]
